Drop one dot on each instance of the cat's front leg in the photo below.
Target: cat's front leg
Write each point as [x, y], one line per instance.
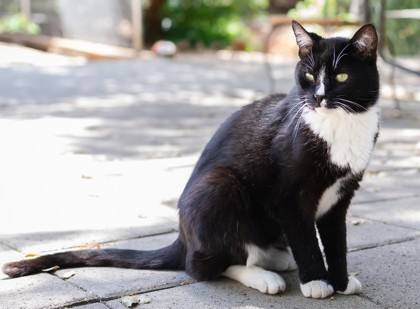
[301, 235]
[332, 229]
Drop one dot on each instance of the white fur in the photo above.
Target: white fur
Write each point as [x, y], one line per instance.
[257, 278]
[353, 287]
[350, 136]
[316, 289]
[272, 258]
[321, 88]
[328, 199]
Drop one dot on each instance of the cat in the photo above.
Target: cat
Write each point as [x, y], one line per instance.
[274, 173]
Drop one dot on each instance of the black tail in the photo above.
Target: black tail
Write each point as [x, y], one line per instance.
[171, 257]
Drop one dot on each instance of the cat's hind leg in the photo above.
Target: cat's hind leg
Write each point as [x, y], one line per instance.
[271, 258]
[255, 276]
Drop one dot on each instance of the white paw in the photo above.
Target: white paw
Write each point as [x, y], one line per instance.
[316, 289]
[353, 287]
[268, 282]
[257, 278]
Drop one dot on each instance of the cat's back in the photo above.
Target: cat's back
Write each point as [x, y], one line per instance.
[247, 133]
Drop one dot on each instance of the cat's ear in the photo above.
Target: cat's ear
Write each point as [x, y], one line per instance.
[303, 38]
[365, 42]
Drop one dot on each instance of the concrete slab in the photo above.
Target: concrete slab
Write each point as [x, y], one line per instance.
[110, 282]
[390, 274]
[226, 293]
[388, 185]
[363, 233]
[143, 243]
[41, 291]
[50, 241]
[402, 212]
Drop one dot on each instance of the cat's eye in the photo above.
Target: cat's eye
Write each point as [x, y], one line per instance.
[309, 77]
[342, 77]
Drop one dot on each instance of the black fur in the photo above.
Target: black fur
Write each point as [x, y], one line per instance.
[260, 178]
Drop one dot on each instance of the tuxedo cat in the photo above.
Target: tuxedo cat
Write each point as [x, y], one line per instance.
[273, 173]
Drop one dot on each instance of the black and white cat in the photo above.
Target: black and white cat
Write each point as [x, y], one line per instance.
[274, 172]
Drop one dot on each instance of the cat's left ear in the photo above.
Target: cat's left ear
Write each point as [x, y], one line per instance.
[365, 42]
[303, 39]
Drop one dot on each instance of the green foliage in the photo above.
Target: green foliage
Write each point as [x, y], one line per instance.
[322, 8]
[209, 21]
[18, 23]
[403, 35]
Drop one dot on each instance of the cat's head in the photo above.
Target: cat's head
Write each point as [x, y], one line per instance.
[337, 72]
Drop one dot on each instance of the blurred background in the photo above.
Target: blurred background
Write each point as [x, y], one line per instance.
[195, 25]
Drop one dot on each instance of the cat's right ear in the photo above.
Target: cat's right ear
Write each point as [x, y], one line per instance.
[303, 39]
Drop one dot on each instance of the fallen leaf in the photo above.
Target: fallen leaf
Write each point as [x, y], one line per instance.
[357, 222]
[144, 299]
[68, 274]
[31, 255]
[133, 301]
[51, 269]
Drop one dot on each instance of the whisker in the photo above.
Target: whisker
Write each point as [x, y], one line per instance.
[346, 108]
[295, 115]
[299, 103]
[352, 102]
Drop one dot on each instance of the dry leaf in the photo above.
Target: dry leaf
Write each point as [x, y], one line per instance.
[31, 255]
[144, 299]
[357, 222]
[133, 301]
[54, 268]
[68, 274]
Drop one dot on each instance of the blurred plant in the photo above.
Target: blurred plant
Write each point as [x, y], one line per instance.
[18, 23]
[209, 21]
[322, 8]
[402, 34]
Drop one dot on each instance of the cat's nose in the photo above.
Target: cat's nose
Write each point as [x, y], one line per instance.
[319, 99]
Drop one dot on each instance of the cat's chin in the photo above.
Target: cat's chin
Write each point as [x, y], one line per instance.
[324, 109]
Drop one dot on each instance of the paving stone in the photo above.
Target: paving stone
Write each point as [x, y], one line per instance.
[108, 282]
[362, 233]
[402, 212]
[51, 241]
[390, 274]
[225, 293]
[388, 186]
[41, 291]
[144, 243]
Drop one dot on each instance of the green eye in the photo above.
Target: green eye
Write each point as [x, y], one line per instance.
[342, 77]
[309, 77]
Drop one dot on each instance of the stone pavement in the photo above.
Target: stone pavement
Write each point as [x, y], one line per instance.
[96, 155]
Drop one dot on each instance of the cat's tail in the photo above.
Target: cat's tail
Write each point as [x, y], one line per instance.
[171, 257]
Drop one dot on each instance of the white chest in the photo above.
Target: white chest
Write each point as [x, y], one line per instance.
[350, 137]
